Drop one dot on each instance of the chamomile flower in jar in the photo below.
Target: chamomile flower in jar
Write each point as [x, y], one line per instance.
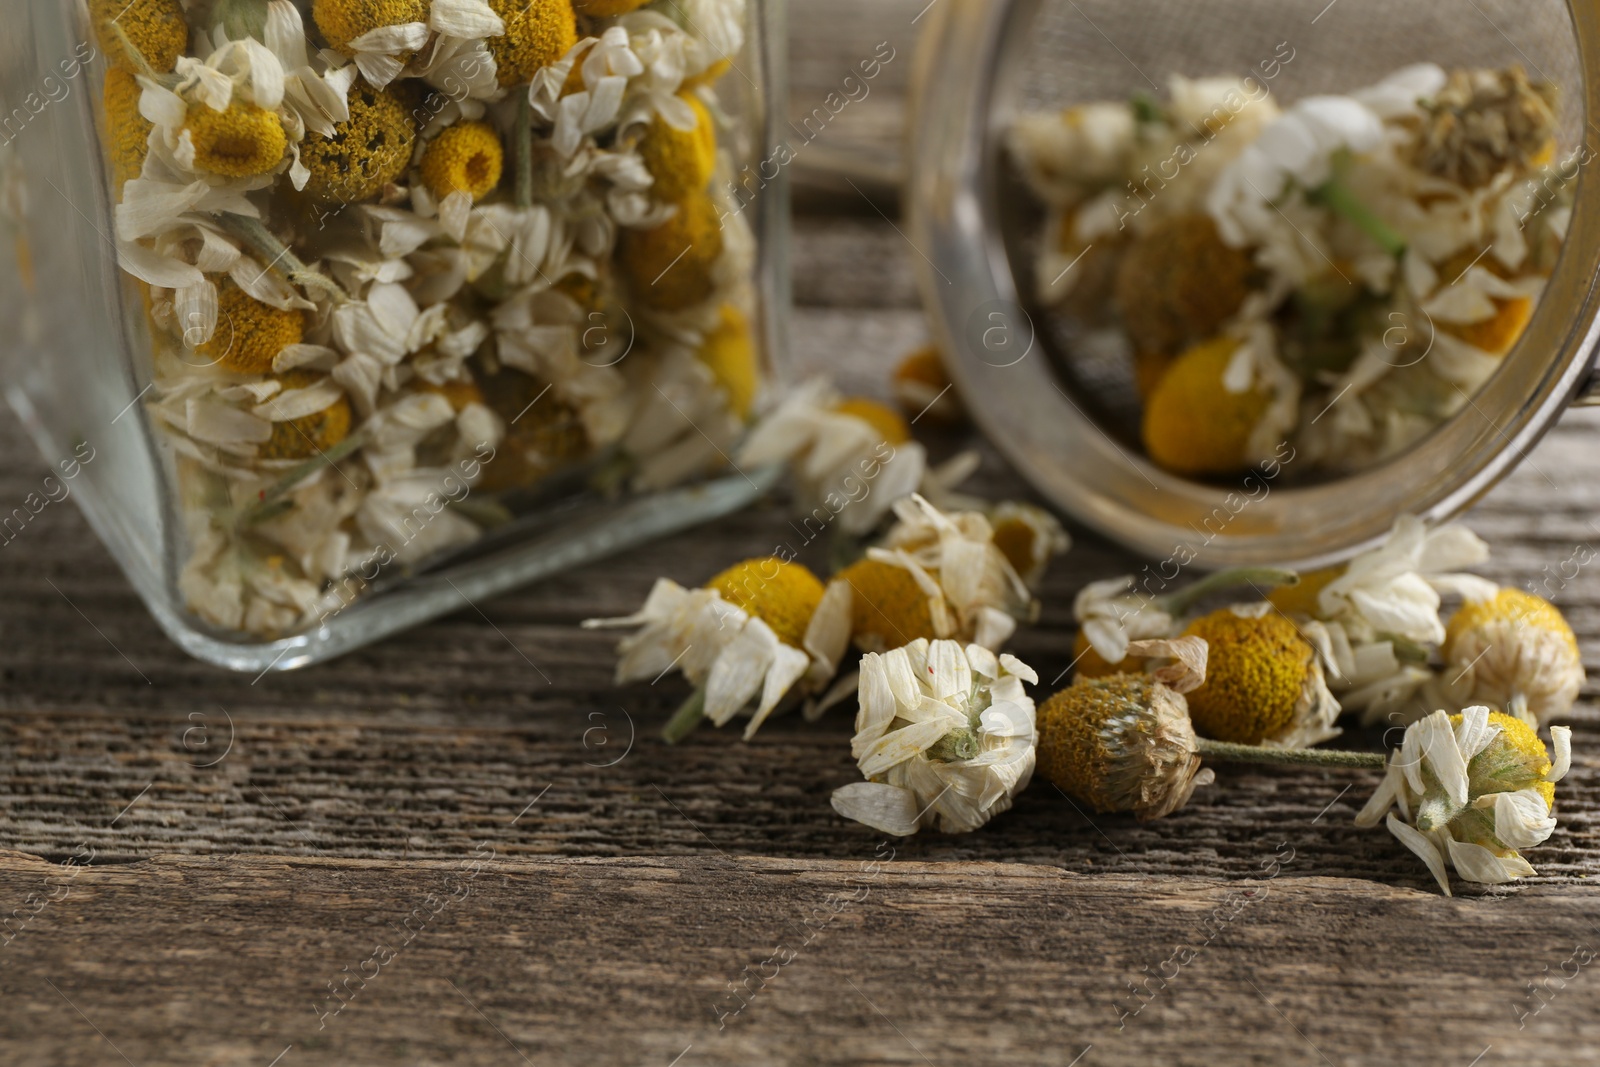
[1264, 681]
[944, 736]
[1514, 650]
[1472, 790]
[746, 639]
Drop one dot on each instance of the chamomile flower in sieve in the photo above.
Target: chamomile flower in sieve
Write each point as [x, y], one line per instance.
[1514, 650]
[1471, 791]
[746, 639]
[944, 736]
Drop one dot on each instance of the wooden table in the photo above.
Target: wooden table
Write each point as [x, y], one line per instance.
[465, 847]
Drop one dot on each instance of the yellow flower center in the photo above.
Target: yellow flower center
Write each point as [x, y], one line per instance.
[681, 161]
[924, 366]
[127, 131]
[1018, 542]
[311, 434]
[1509, 605]
[538, 32]
[543, 432]
[1256, 672]
[889, 609]
[669, 267]
[883, 419]
[364, 153]
[1301, 599]
[342, 21]
[250, 334]
[1192, 424]
[729, 353]
[239, 142]
[1071, 750]
[1179, 283]
[707, 76]
[1524, 741]
[782, 595]
[156, 28]
[467, 157]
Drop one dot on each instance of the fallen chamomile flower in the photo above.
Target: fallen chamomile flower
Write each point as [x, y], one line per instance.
[944, 735]
[751, 635]
[1514, 650]
[1264, 681]
[1472, 789]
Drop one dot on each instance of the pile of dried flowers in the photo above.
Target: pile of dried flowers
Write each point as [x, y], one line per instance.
[1370, 255]
[392, 255]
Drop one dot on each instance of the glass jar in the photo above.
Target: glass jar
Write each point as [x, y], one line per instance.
[1124, 86]
[333, 327]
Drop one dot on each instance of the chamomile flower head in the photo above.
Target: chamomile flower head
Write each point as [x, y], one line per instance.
[1193, 423]
[155, 28]
[308, 435]
[465, 158]
[1264, 681]
[250, 334]
[729, 352]
[852, 457]
[669, 267]
[1178, 284]
[890, 607]
[363, 153]
[1514, 650]
[1121, 742]
[1472, 789]
[1484, 122]
[680, 160]
[944, 736]
[127, 131]
[1028, 537]
[748, 637]
[922, 388]
[240, 141]
[1109, 616]
[344, 22]
[538, 33]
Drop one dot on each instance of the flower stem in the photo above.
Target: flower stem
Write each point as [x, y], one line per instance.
[1337, 196]
[1257, 577]
[524, 151]
[279, 258]
[1229, 752]
[686, 718]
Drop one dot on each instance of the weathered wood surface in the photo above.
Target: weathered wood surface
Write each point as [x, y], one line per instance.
[254, 838]
[484, 959]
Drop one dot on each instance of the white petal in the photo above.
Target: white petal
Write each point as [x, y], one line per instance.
[1561, 760]
[1439, 748]
[886, 808]
[1383, 799]
[739, 670]
[1477, 864]
[465, 18]
[900, 745]
[1424, 847]
[788, 667]
[1522, 819]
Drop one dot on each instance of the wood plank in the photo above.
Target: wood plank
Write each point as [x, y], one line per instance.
[486, 959]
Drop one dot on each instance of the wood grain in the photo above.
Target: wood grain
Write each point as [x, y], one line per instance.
[865, 958]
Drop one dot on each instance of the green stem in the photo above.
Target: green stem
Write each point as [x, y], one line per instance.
[279, 258]
[266, 506]
[1337, 196]
[1258, 577]
[1229, 752]
[524, 151]
[686, 718]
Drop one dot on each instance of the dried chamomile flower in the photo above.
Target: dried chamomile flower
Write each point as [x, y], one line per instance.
[1179, 283]
[1193, 423]
[250, 334]
[944, 737]
[309, 416]
[465, 158]
[729, 352]
[1028, 537]
[1514, 650]
[239, 141]
[362, 154]
[750, 635]
[1472, 790]
[344, 22]
[1264, 681]
[922, 388]
[156, 29]
[1122, 742]
[127, 131]
[852, 457]
[538, 32]
[952, 582]
[679, 160]
[605, 9]
[669, 267]
[1483, 122]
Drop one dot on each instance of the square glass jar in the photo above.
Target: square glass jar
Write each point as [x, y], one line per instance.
[313, 397]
